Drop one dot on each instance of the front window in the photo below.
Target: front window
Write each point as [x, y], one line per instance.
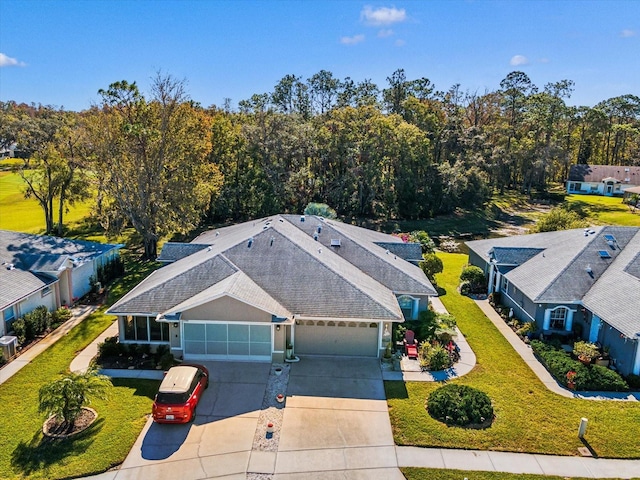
[138, 328]
[558, 319]
[406, 305]
[577, 187]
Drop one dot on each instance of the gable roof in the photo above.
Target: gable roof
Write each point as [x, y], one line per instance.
[173, 251]
[16, 284]
[597, 173]
[294, 274]
[569, 268]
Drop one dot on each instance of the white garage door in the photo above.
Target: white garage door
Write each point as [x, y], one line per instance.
[336, 338]
[226, 341]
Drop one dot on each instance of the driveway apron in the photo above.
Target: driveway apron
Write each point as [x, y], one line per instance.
[336, 419]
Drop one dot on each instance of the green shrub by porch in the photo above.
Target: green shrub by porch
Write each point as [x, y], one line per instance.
[460, 405]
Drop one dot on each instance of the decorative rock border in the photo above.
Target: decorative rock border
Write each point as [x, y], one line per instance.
[49, 421]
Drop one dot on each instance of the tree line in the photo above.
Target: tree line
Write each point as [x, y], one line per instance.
[163, 164]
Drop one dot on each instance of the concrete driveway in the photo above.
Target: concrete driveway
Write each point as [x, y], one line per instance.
[218, 443]
[335, 425]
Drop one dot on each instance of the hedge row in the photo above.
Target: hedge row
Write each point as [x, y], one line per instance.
[589, 378]
[37, 322]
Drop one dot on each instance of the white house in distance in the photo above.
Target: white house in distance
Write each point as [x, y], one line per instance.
[608, 180]
[43, 270]
[246, 291]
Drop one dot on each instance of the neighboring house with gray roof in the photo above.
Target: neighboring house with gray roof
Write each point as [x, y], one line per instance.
[43, 270]
[605, 180]
[246, 291]
[584, 282]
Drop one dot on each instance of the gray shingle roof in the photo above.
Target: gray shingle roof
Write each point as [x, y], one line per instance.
[16, 284]
[570, 269]
[14, 245]
[285, 264]
[172, 251]
[514, 255]
[615, 297]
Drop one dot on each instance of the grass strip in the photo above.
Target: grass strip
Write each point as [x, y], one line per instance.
[431, 473]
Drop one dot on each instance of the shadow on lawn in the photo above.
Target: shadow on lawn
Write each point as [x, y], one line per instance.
[395, 389]
[42, 452]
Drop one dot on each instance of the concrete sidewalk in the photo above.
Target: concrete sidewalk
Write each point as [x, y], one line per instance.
[542, 373]
[79, 314]
[490, 461]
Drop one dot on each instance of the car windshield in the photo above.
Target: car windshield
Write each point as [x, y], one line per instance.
[172, 398]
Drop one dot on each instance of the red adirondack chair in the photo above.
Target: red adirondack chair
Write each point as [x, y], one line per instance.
[410, 344]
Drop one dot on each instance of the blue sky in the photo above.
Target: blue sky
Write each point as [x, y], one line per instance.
[61, 52]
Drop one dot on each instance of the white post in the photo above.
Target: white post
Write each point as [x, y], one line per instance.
[498, 281]
[491, 273]
[582, 429]
[547, 320]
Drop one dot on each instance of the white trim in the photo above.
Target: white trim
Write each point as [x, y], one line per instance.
[636, 363]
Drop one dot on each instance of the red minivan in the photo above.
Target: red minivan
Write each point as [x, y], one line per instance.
[179, 394]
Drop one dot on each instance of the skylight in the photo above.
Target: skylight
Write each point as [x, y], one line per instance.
[609, 238]
[604, 254]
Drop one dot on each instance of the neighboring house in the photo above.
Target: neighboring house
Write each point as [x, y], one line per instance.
[606, 180]
[572, 281]
[246, 291]
[42, 270]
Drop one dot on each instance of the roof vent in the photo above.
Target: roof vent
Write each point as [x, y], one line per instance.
[250, 242]
[271, 240]
[315, 237]
[11, 266]
[319, 228]
[589, 270]
[302, 218]
[335, 242]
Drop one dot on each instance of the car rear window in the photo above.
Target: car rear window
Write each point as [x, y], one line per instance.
[172, 398]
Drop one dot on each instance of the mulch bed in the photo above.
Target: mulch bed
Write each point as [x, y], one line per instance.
[55, 427]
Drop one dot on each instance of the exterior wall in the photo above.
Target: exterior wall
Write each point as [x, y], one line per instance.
[35, 300]
[478, 261]
[584, 187]
[82, 279]
[621, 350]
[227, 309]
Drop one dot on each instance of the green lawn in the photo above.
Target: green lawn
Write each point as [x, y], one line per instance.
[431, 473]
[604, 210]
[529, 418]
[23, 450]
[25, 215]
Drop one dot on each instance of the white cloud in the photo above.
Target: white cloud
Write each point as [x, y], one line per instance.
[385, 32]
[626, 33]
[382, 15]
[399, 43]
[6, 61]
[352, 40]
[517, 60]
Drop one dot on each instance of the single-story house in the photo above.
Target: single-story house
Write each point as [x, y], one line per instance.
[248, 291]
[605, 180]
[44, 270]
[585, 282]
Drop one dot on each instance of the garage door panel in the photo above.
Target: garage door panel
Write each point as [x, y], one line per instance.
[353, 339]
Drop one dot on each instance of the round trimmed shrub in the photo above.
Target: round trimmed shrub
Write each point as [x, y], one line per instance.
[460, 405]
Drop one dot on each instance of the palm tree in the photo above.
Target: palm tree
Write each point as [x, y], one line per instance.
[66, 396]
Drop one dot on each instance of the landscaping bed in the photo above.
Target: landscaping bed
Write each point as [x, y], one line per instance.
[113, 354]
